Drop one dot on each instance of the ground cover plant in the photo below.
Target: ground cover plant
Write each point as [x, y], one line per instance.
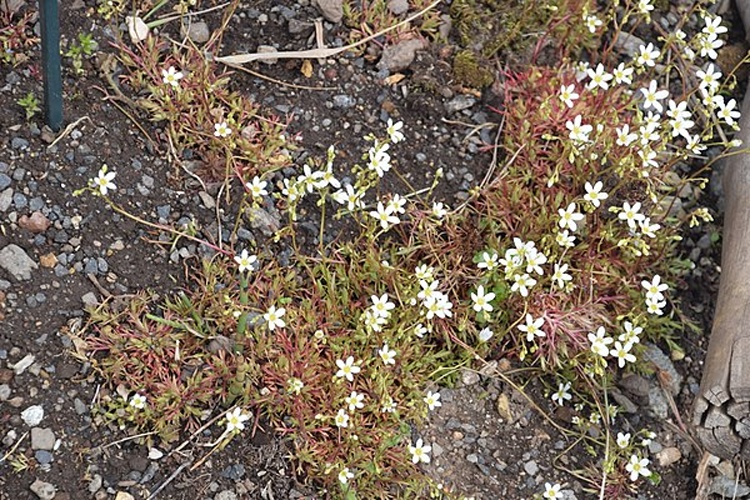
[562, 260]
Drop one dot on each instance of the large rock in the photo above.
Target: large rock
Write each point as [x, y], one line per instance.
[14, 260]
[398, 57]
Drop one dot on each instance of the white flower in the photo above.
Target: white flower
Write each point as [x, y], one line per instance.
[727, 112]
[387, 354]
[396, 204]
[439, 210]
[482, 300]
[485, 334]
[382, 306]
[622, 74]
[645, 7]
[257, 187]
[534, 261]
[379, 160]
[564, 239]
[568, 95]
[384, 214]
[342, 418]
[171, 77]
[439, 306]
[294, 385]
[347, 196]
[420, 330]
[236, 420]
[694, 145]
[569, 217]
[138, 401]
[103, 181]
[347, 369]
[488, 261]
[599, 78]
[710, 79]
[560, 276]
[389, 405]
[647, 55]
[600, 341]
[355, 401]
[245, 261]
[222, 130]
[622, 353]
[708, 45]
[552, 491]
[273, 317]
[345, 475]
[631, 335]
[424, 272]
[579, 132]
[655, 306]
[532, 328]
[432, 400]
[592, 22]
[420, 452]
[713, 26]
[630, 214]
[594, 194]
[652, 96]
[623, 440]
[624, 136]
[562, 394]
[638, 467]
[394, 131]
[522, 283]
[654, 288]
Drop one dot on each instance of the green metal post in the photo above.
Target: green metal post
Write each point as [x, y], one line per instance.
[49, 20]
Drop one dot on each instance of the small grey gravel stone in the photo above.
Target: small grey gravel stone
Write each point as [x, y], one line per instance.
[343, 101]
[226, 495]
[14, 260]
[43, 490]
[147, 181]
[19, 143]
[398, 7]
[42, 439]
[400, 56]
[89, 299]
[44, 457]
[197, 31]
[4, 181]
[95, 484]
[4, 392]
[20, 200]
[459, 103]
[234, 472]
[80, 406]
[531, 468]
[91, 267]
[6, 198]
[332, 10]
[728, 488]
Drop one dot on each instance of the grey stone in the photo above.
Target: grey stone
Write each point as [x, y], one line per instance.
[226, 495]
[398, 57]
[728, 488]
[531, 468]
[15, 261]
[296, 26]
[4, 181]
[147, 181]
[19, 200]
[343, 101]
[95, 484]
[44, 457]
[6, 198]
[663, 363]
[89, 299]
[80, 406]
[267, 221]
[19, 143]
[268, 49]
[398, 7]
[658, 403]
[42, 439]
[91, 267]
[332, 10]
[197, 31]
[459, 103]
[234, 472]
[43, 490]
[4, 392]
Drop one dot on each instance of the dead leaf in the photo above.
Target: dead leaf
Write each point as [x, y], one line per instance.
[307, 68]
[503, 408]
[394, 78]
